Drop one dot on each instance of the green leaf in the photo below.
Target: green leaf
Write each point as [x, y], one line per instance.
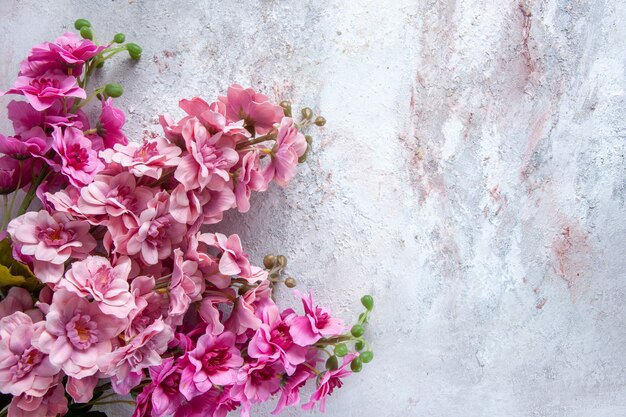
[14, 273]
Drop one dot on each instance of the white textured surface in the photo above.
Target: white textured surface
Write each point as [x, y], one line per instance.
[471, 177]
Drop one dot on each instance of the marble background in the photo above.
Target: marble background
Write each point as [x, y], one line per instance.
[471, 177]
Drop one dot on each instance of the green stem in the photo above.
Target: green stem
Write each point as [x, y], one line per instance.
[80, 104]
[19, 184]
[113, 52]
[5, 212]
[30, 195]
[114, 402]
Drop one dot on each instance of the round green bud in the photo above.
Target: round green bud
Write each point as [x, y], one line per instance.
[357, 330]
[269, 261]
[362, 318]
[341, 350]
[86, 32]
[368, 302]
[113, 90]
[356, 365]
[134, 50]
[320, 121]
[367, 356]
[100, 64]
[290, 282]
[307, 113]
[359, 345]
[332, 363]
[119, 38]
[81, 23]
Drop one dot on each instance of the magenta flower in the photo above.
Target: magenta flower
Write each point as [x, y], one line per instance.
[214, 361]
[290, 391]
[112, 120]
[51, 240]
[327, 384]
[80, 163]
[257, 381]
[254, 108]
[67, 52]
[149, 159]
[77, 334]
[247, 178]
[9, 174]
[208, 160]
[52, 404]
[244, 315]
[23, 368]
[43, 91]
[166, 398]
[316, 323]
[25, 117]
[95, 278]
[290, 145]
[33, 142]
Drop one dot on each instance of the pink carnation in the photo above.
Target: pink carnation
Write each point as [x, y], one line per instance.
[43, 91]
[290, 145]
[316, 323]
[95, 278]
[51, 240]
[80, 163]
[254, 108]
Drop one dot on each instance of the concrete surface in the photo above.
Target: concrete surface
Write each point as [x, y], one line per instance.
[471, 177]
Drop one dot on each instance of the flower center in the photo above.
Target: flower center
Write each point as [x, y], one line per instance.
[215, 359]
[29, 359]
[43, 83]
[321, 317]
[82, 331]
[280, 336]
[147, 151]
[77, 155]
[54, 236]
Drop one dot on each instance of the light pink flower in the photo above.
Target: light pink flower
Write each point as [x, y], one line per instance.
[290, 145]
[19, 299]
[23, 368]
[80, 163]
[213, 117]
[243, 316]
[290, 391]
[215, 360]
[43, 91]
[52, 404]
[208, 160]
[149, 159]
[81, 390]
[316, 323]
[77, 334]
[111, 123]
[151, 306]
[186, 286]
[254, 108]
[248, 177]
[233, 260]
[328, 382]
[107, 285]
[51, 240]
[206, 206]
[32, 142]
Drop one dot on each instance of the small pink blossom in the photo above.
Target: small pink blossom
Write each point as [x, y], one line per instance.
[290, 145]
[110, 126]
[32, 142]
[80, 163]
[186, 286]
[81, 390]
[9, 174]
[107, 285]
[19, 299]
[254, 108]
[206, 206]
[213, 117]
[52, 404]
[149, 159]
[68, 52]
[233, 260]
[290, 391]
[244, 315]
[25, 117]
[315, 324]
[166, 398]
[257, 381]
[328, 382]
[43, 91]
[51, 240]
[248, 177]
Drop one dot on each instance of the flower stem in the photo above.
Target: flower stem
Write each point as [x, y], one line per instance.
[5, 211]
[30, 195]
[269, 136]
[19, 184]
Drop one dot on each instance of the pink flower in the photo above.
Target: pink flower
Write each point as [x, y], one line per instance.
[208, 160]
[315, 324]
[19, 299]
[148, 159]
[187, 286]
[43, 91]
[112, 120]
[166, 398]
[243, 316]
[272, 341]
[327, 384]
[213, 117]
[254, 108]
[77, 334]
[80, 163]
[206, 206]
[290, 145]
[81, 390]
[52, 404]
[247, 178]
[9, 174]
[233, 260]
[155, 234]
[67, 52]
[23, 368]
[290, 391]
[214, 361]
[150, 306]
[51, 240]
[95, 278]
[25, 117]
[33, 142]
[257, 381]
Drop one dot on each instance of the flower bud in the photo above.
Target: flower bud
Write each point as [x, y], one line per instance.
[357, 330]
[269, 261]
[119, 38]
[367, 356]
[359, 345]
[320, 121]
[309, 139]
[86, 32]
[134, 50]
[341, 350]
[307, 113]
[368, 302]
[290, 282]
[281, 260]
[356, 365]
[80, 23]
[113, 90]
[332, 363]
[302, 159]
[100, 64]
[286, 105]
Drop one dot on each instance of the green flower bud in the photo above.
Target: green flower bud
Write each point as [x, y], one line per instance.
[290, 282]
[368, 302]
[134, 50]
[119, 38]
[367, 356]
[80, 23]
[357, 330]
[332, 363]
[359, 345]
[320, 121]
[341, 350]
[307, 113]
[86, 32]
[100, 64]
[356, 365]
[113, 90]
[269, 261]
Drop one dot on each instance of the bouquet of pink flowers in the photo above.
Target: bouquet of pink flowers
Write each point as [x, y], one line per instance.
[110, 286]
